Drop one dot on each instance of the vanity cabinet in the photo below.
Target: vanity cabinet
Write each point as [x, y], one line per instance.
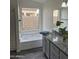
[54, 49]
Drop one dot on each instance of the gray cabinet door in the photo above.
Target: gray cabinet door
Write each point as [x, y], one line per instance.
[54, 52]
[43, 44]
[47, 48]
[63, 56]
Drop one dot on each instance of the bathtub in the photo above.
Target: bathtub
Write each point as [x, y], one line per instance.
[29, 41]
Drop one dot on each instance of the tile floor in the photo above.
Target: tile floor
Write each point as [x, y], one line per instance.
[31, 54]
[36, 55]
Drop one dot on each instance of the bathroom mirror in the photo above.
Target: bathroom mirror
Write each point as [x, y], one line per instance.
[60, 15]
[64, 17]
[64, 13]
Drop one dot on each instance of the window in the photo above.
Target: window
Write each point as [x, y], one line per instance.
[30, 12]
[30, 19]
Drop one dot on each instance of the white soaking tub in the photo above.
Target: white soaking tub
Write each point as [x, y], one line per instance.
[29, 41]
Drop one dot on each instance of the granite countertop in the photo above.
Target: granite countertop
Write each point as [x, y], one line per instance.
[57, 40]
